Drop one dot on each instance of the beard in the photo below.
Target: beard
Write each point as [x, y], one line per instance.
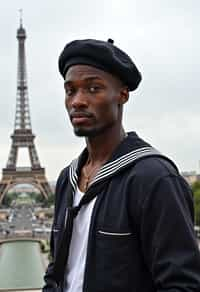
[91, 132]
[81, 132]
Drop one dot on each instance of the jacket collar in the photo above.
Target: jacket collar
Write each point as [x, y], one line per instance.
[129, 150]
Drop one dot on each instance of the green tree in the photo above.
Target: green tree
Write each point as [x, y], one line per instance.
[51, 199]
[196, 191]
[39, 198]
[8, 198]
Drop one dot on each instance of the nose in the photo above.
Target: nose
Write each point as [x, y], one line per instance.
[79, 99]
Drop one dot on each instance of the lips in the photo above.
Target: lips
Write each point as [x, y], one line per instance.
[80, 117]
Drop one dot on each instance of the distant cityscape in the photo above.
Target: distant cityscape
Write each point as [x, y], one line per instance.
[190, 176]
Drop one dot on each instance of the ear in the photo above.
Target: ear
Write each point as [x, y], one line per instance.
[124, 95]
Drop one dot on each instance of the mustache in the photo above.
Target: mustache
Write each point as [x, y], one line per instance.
[80, 113]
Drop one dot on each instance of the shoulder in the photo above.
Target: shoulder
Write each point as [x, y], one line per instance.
[155, 167]
[157, 187]
[149, 170]
[148, 162]
[155, 174]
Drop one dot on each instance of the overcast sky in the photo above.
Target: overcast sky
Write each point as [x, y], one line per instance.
[162, 37]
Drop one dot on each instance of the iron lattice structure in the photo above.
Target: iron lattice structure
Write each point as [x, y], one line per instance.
[23, 136]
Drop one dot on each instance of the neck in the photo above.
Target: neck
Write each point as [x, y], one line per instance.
[101, 147]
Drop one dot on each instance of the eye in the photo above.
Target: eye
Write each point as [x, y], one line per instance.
[94, 88]
[69, 91]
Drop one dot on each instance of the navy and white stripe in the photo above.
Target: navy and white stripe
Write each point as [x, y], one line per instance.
[73, 175]
[112, 167]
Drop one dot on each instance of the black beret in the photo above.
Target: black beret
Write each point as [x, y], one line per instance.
[103, 55]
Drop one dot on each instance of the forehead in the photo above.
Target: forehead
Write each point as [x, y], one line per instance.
[83, 72]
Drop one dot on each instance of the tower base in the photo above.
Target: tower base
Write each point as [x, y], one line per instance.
[24, 175]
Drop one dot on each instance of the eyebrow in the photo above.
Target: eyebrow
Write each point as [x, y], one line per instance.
[86, 79]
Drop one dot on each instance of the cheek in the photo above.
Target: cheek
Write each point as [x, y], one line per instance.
[109, 111]
[67, 106]
[66, 103]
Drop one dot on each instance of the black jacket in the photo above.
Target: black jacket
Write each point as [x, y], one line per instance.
[141, 236]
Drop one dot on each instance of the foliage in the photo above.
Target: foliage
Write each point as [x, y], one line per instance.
[8, 198]
[39, 198]
[50, 200]
[44, 245]
[196, 191]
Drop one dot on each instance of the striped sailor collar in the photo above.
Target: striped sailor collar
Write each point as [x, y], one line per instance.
[130, 149]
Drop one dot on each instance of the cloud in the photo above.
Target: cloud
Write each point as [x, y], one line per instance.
[161, 36]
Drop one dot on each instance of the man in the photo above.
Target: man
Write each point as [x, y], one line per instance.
[123, 214]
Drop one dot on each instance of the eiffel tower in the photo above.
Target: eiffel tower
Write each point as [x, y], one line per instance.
[23, 136]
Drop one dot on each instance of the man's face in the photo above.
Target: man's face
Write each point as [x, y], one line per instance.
[93, 100]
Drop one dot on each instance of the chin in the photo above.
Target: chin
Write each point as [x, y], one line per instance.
[80, 133]
[86, 132]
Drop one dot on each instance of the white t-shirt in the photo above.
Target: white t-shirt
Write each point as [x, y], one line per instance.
[78, 247]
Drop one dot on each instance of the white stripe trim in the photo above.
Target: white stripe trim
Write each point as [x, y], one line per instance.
[114, 233]
[113, 166]
[110, 164]
[120, 164]
[72, 178]
[56, 230]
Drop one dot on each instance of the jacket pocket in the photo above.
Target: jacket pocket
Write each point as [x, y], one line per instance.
[115, 260]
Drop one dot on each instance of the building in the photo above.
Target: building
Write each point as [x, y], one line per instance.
[191, 176]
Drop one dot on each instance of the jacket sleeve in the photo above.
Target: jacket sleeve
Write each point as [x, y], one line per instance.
[50, 283]
[167, 236]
